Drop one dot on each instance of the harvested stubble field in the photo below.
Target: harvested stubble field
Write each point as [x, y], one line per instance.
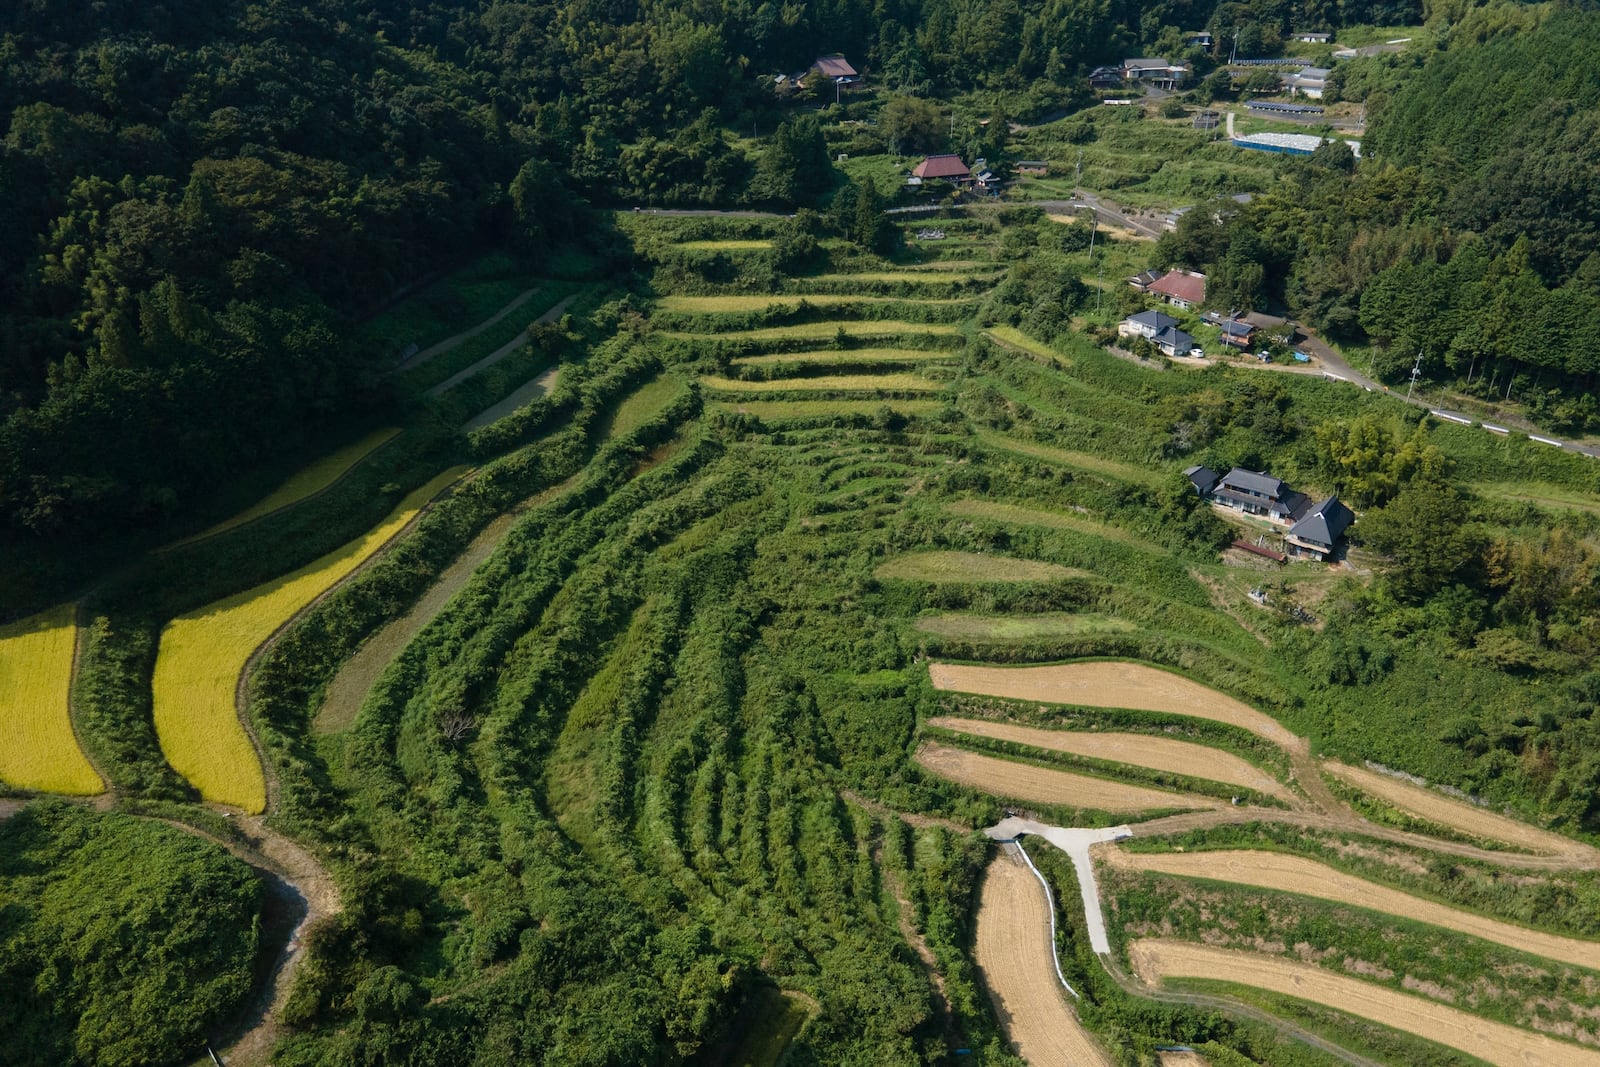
[1009, 628]
[996, 511]
[819, 331]
[1085, 461]
[770, 411]
[1457, 814]
[1156, 960]
[831, 356]
[972, 567]
[1291, 874]
[304, 484]
[1138, 750]
[1012, 949]
[832, 383]
[714, 305]
[203, 654]
[1041, 785]
[38, 749]
[1109, 685]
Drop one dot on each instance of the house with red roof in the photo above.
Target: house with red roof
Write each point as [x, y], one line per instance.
[1180, 288]
[945, 168]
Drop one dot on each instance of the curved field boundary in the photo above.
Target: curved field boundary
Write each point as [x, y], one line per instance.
[780, 410]
[996, 511]
[1041, 785]
[822, 331]
[832, 356]
[304, 484]
[1019, 971]
[972, 567]
[1084, 461]
[1292, 874]
[713, 305]
[525, 394]
[203, 654]
[503, 351]
[1457, 814]
[38, 748]
[1110, 685]
[1011, 629]
[834, 383]
[1138, 750]
[1156, 960]
[466, 335]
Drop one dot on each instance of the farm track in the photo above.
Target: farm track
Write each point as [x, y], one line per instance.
[468, 334]
[502, 352]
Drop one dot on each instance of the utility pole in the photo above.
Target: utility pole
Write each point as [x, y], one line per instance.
[1077, 176]
[1233, 49]
[1416, 372]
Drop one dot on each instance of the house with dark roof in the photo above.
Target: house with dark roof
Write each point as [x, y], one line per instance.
[1235, 330]
[1105, 78]
[1310, 82]
[1317, 532]
[1259, 493]
[1145, 279]
[946, 168]
[1145, 324]
[1201, 39]
[1174, 342]
[1203, 478]
[1180, 288]
[1153, 71]
[836, 67]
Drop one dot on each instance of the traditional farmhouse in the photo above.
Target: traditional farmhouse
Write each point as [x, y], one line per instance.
[1161, 331]
[1259, 493]
[837, 68]
[1235, 331]
[946, 168]
[1157, 72]
[1316, 533]
[1180, 288]
[1314, 38]
[1310, 82]
[1105, 78]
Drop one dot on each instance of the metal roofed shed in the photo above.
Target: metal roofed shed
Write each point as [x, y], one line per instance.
[1289, 144]
[1203, 478]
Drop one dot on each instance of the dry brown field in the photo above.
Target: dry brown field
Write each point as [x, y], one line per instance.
[1041, 785]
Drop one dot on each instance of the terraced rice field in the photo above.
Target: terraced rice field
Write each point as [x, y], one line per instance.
[1042, 785]
[1138, 750]
[1084, 461]
[1012, 949]
[1291, 874]
[822, 331]
[203, 655]
[831, 356]
[972, 567]
[1001, 629]
[38, 749]
[920, 276]
[642, 405]
[1109, 685]
[1157, 960]
[712, 305]
[724, 246]
[1011, 337]
[770, 411]
[1054, 520]
[306, 483]
[1456, 814]
[835, 383]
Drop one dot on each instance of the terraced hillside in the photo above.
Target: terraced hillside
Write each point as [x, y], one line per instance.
[667, 734]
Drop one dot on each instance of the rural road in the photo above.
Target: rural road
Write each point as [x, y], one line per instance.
[1076, 844]
[502, 352]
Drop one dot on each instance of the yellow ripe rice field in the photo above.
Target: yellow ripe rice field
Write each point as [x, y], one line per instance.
[307, 482]
[820, 331]
[703, 305]
[777, 410]
[830, 356]
[724, 246]
[833, 383]
[38, 749]
[203, 654]
[1011, 337]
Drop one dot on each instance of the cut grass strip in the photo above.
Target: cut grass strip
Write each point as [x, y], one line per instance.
[834, 383]
[38, 749]
[771, 411]
[1041, 785]
[827, 357]
[723, 246]
[1539, 494]
[1125, 472]
[1005, 629]
[642, 405]
[914, 277]
[304, 484]
[1055, 520]
[816, 331]
[1157, 960]
[709, 305]
[944, 566]
[204, 653]
[1011, 337]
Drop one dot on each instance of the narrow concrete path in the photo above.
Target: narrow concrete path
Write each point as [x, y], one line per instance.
[526, 393]
[502, 352]
[1076, 844]
[466, 335]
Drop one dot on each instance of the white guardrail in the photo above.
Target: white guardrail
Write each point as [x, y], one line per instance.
[1051, 901]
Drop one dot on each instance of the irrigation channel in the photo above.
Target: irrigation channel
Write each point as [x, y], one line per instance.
[1034, 999]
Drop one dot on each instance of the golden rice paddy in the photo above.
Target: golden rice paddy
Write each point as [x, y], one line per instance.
[38, 749]
[833, 383]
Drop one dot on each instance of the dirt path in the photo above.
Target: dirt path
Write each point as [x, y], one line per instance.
[1041, 785]
[468, 334]
[502, 352]
[525, 394]
[1291, 874]
[1139, 750]
[1459, 815]
[1156, 960]
[905, 918]
[1012, 951]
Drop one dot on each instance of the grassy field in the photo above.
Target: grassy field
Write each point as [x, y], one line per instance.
[779, 410]
[1539, 494]
[203, 654]
[707, 305]
[1020, 516]
[724, 246]
[833, 383]
[818, 331]
[971, 567]
[927, 276]
[1001, 629]
[828, 357]
[1012, 337]
[642, 404]
[1124, 472]
[38, 749]
[470, 295]
[307, 482]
